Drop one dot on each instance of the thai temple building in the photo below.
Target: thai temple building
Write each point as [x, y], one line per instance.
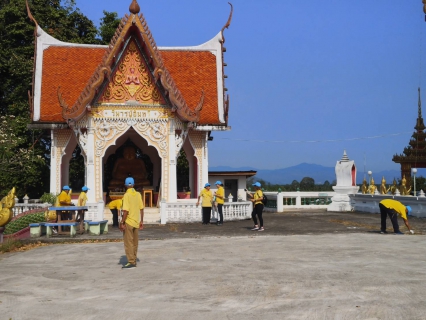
[131, 106]
[413, 156]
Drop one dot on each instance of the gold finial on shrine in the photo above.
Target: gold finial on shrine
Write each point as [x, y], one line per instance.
[134, 7]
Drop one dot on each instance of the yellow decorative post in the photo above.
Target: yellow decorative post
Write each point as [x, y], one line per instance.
[6, 213]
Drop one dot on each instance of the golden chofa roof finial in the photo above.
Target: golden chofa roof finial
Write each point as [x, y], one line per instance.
[134, 7]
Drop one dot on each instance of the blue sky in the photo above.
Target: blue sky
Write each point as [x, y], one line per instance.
[340, 73]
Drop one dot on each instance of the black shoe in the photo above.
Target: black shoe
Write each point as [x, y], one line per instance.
[383, 232]
[128, 266]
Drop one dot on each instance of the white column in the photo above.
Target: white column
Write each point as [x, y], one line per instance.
[90, 173]
[205, 161]
[53, 164]
[280, 206]
[172, 196]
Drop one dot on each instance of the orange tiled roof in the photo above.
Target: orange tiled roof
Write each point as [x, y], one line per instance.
[71, 68]
[192, 72]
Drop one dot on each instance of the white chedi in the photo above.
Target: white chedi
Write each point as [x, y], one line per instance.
[345, 184]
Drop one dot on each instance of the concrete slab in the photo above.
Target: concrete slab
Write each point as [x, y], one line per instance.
[211, 272]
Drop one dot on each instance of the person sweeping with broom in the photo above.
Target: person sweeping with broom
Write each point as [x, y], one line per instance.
[393, 208]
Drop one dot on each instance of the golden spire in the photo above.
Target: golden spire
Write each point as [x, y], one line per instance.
[134, 7]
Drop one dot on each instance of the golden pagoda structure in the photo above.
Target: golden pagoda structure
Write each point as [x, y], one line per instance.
[413, 156]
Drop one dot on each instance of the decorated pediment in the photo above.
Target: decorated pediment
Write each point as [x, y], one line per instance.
[126, 83]
[132, 81]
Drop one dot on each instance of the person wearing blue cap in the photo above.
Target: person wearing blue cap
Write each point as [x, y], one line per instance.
[64, 197]
[82, 198]
[206, 205]
[220, 200]
[393, 208]
[257, 198]
[81, 202]
[131, 222]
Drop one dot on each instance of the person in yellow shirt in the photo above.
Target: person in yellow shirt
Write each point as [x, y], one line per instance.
[132, 221]
[81, 202]
[257, 198]
[64, 200]
[115, 207]
[82, 198]
[206, 205]
[220, 200]
[393, 208]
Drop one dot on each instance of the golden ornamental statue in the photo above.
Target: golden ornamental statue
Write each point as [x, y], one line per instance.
[364, 187]
[393, 188]
[372, 187]
[383, 189]
[128, 166]
[7, 203]
[403, 188]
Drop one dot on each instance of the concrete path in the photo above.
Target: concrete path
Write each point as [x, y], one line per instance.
[343, 275]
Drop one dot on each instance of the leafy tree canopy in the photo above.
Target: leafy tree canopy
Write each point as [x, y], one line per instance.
[24, 154]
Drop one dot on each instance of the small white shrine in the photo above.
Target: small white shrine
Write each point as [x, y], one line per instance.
[345, 184]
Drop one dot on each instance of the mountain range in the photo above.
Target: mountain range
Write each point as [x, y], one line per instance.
[317, 172]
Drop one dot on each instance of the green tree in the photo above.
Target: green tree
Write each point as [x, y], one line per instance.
[24, 161]
[109, 24]
[182, 172]
[294, 185]
[307, 184]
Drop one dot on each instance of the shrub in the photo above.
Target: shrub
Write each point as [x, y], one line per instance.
[48, 198]
[10, 245]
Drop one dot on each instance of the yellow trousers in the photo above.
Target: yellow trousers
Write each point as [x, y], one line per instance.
[131, 241]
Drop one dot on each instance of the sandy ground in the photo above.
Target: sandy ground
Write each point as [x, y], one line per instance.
[347, 270]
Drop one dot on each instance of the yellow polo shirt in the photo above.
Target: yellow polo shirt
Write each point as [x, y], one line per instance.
[206, 197]
[116, 204]
[63, 197]
[395, 205]
[132, 203]
[258, 196]
[220, 192]
[82, 199]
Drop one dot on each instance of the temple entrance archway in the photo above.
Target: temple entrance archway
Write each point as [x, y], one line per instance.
[148, 154]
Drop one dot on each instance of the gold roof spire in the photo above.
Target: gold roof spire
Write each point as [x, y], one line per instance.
[134, 7]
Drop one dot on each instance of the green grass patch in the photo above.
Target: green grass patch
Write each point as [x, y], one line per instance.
[10, 245]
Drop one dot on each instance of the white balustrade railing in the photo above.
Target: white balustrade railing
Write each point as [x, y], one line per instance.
[281, 201]
[370, 203]
[29, 204]
[185, 210]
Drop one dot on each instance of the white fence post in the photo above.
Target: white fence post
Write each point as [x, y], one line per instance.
[298, 200]
[163, 211]
[280, 200]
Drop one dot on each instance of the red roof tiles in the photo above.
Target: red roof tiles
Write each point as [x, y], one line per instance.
[71, 68]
